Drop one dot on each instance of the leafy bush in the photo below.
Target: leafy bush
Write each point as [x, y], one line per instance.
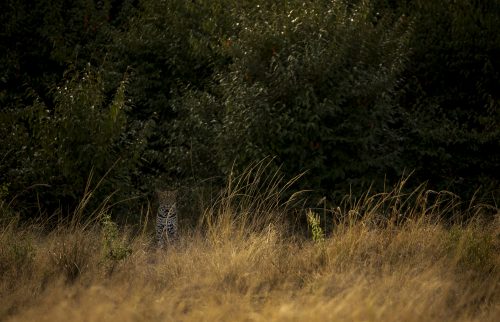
[54, 151]
[313, 85]
[310, 83]
[452, 125]
[352, 92]
[41, 39]
[114, 248]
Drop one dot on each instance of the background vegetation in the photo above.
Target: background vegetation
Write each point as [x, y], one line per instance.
[145, 94]
[327, 104]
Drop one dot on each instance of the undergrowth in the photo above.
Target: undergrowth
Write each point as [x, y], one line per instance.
[387, 257]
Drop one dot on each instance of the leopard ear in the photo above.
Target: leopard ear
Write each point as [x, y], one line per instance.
[160, 193]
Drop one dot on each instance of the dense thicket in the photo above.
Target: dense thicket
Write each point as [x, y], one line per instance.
[450, 94]
[150, 93]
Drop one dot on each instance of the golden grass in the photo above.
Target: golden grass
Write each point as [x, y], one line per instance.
[233, 268]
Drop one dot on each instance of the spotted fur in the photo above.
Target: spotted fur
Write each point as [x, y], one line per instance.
[166, 218]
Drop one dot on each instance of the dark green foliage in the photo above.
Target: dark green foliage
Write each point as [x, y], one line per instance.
[451, 96]
[312, 84]
[40, 39]
[169, 93]
[309, 83]
[57, 128]
[50, 154]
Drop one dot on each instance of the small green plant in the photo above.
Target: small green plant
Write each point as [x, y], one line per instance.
[314, 224]
[114, 248]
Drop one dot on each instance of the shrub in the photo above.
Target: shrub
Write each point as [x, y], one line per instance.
[52, 151]
[114, 248]
[449, 95]
[312, 84]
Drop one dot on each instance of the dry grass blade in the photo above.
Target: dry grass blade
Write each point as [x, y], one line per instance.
[251, 201]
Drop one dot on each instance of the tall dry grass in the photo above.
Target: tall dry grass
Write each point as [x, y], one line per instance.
[389, 257]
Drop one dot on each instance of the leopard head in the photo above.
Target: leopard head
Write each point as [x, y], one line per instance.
[166, 197]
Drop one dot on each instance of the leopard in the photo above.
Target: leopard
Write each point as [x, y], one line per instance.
[166, 218]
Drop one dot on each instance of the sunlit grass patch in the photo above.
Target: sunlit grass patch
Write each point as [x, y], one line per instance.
[232, 266]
